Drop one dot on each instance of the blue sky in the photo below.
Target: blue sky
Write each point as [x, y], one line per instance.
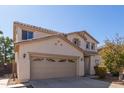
[100, 21]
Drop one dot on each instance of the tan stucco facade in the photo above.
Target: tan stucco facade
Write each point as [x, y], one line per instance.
[83, 41]
[52, 46]
[36, 34]
[46, 47]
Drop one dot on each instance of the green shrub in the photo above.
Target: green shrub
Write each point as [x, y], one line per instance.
[115, 73]
[100, 71]
[96, 70]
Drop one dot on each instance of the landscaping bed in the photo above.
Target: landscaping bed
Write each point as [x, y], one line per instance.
[110, 78]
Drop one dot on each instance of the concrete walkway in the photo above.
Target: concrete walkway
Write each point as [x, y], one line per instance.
[116, 86]
[4, 81]
[17, 86]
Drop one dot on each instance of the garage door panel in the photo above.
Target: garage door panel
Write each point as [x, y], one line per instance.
[46, 69]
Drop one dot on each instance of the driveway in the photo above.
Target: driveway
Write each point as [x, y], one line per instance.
[83, 82]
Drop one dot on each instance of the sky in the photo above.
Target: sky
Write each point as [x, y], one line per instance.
[101, 22]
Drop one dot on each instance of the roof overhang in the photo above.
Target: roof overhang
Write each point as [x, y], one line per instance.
[61, 36]
[51, 55]
[90, 53]
[83, 35]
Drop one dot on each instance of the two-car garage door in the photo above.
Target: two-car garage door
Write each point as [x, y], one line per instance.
[52, 67]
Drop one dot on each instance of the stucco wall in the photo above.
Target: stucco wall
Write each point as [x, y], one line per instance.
[18, 34]
[80, 66]
[93, 63]
[36, 34]
[72, 36]
[89, 39]
[47, 46]
[40, 34]
[83, 42]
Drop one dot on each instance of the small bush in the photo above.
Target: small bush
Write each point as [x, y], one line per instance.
[115, 73]
[96, 70]
[100, 71]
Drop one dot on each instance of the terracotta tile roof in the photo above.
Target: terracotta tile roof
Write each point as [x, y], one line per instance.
[61, 36]
[54, 34]
[80, 33]
[36, 27]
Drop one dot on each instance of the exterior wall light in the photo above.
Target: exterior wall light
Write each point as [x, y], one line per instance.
[24, 55]
[81, 59]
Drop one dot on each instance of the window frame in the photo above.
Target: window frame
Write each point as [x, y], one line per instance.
[26, 35]
[29, 35]
[77, 41]
[93, 46]
[87, 45]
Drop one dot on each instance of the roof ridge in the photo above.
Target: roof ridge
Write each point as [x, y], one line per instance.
[35, 27]
[76, 32]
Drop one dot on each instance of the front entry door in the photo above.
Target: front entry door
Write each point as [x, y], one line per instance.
[87, 65]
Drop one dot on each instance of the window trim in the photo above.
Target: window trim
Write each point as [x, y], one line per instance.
[92, 46]
[87, 45]
[27, 33]
[24, 35]
[77, 41]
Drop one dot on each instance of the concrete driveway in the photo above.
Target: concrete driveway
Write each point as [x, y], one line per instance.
[83, 82]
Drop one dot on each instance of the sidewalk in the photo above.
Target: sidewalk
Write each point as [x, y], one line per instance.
[17, 86]
[4, 81]
[116, 86]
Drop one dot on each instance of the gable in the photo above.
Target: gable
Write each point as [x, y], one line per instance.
[87, 35]
[50, 46]
[84, 35]
[89, 39]
[72, 36]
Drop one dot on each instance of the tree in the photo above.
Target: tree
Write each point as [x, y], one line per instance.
[1, 47]
[6, 49]
[113, 54]
[1, 32]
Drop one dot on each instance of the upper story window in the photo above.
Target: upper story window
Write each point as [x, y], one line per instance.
[76, 41]
[93, 46]
[27, 35]
[87, 45]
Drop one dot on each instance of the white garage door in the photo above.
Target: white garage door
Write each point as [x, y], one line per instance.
[48, 67]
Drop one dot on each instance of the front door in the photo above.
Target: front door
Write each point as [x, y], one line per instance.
[87, 65]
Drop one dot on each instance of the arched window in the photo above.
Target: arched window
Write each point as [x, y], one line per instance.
[76, 41]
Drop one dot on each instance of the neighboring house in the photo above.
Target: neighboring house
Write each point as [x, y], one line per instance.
[42, 53]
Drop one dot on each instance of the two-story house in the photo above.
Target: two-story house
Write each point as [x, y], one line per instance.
[41, 53]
